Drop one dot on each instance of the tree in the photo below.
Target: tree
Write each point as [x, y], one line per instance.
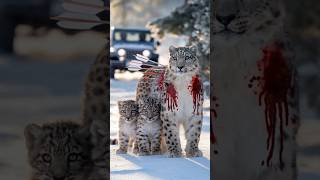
[191, 20]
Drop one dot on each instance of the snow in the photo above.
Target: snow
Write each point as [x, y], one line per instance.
[156, 167]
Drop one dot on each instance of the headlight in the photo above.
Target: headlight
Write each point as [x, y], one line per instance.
[146, 53]
[121, 52]
[112, 49]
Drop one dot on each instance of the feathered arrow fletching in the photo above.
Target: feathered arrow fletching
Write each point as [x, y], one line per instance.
[145, 59]
[82, 14]
[78, 21]
[139, 64]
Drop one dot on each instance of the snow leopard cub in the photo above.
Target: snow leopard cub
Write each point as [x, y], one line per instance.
[59, 150]
[128, 111]
[149, 126]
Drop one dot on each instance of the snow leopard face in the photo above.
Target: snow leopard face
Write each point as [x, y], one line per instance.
[59, 150]
[149, 109]
[183, 60]
[128, 110]
[235, 20]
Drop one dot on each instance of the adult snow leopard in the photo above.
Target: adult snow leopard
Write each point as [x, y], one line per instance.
[254, 95]
[180, 90]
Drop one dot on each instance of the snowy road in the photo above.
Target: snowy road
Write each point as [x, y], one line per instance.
[129, 166]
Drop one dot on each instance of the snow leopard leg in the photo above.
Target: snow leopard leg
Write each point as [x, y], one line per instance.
[135, 147]
[171, 134]
[192, 132]
[123, 143]
[143, 142]
[156, 143]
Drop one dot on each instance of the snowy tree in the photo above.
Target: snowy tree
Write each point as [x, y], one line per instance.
[191, 20]
[136, 13]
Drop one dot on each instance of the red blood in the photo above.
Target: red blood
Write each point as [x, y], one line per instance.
[274, 88]
[150, 73]
[171, 97]
[213, 117]
[196, 92]
[161, 80]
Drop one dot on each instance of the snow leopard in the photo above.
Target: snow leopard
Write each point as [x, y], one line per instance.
[255, 115]
[59, 150]
[180, 90]
[148, 135]
[93, 120]
[95, 114]
[128, 110]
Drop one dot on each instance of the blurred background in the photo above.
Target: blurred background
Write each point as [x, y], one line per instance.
[42, 72]
[304, 29]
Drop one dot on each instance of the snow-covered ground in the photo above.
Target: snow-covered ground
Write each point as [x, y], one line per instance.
[130, 166]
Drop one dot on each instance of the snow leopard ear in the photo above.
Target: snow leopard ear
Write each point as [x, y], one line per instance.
[172, 49]
[32, 132]
[193, 49]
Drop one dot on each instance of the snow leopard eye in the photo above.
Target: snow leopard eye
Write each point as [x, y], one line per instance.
[188, 58]
[46, 158]
[74, 157]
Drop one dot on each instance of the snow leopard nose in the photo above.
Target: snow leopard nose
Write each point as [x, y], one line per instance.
[180, 67]
[226, 20]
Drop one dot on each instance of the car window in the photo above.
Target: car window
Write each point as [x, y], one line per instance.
[132, 36]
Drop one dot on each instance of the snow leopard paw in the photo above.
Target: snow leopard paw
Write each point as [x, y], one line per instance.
[174, 154]
[194, 153]
[121, 151]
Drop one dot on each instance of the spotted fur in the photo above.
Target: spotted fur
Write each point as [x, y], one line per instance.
[96, 114]
[58, 151]
[149, 127]
[128, 111]
[237, 20]
[183, 65]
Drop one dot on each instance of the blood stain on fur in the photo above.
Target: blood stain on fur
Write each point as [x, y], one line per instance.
[171, 97]
[195, 89]
[273, 87]
[213, 117]
[161, 80]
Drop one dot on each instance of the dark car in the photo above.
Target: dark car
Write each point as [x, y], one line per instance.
[127, 42]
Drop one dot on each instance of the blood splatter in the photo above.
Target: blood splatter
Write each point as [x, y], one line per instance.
[171, 97]
[213, 117]
[196, 90]
[273, 87]
[161, 80]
